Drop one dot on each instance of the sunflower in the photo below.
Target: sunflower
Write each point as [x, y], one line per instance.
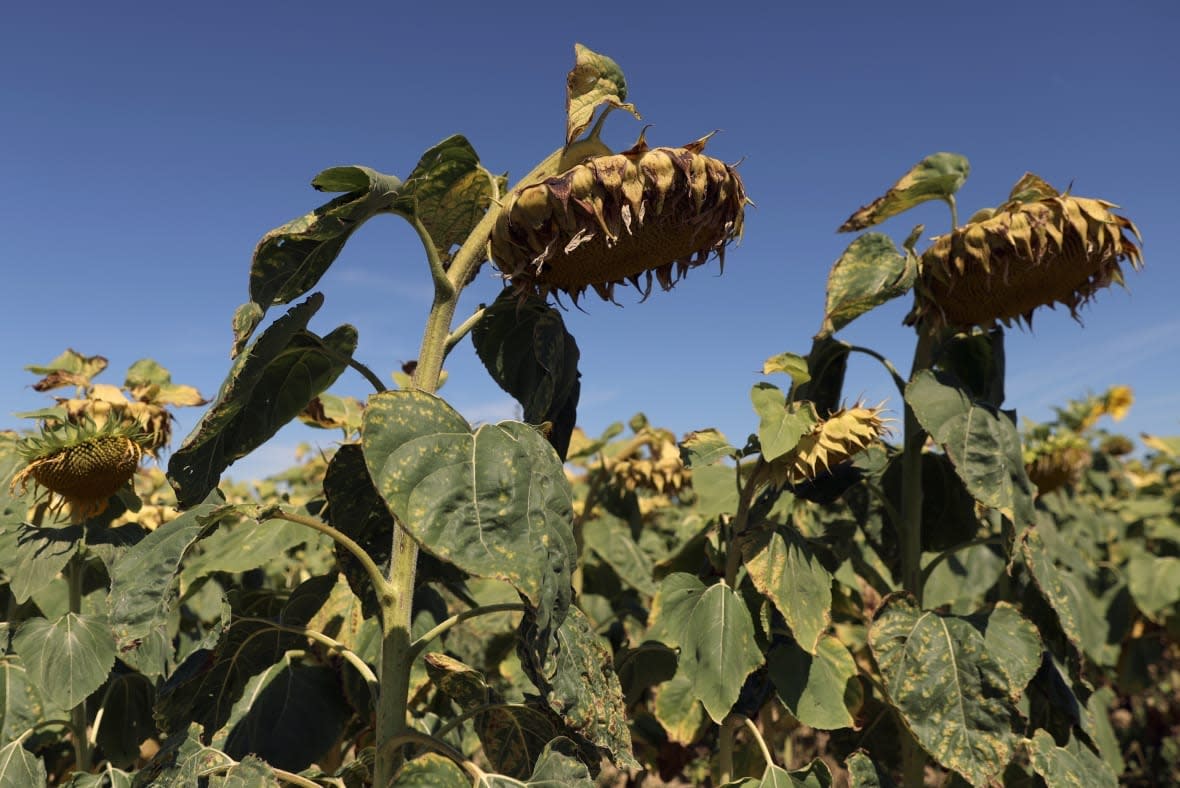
[620, 217]
[81, 465]
[831, 442]
[1057, 460]
[1040, 248]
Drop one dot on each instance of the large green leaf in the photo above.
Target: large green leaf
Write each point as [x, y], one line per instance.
[982, 442]
[289, 260]
[715, 488]
[19, 768]
[780, 425]
[611, 540]
[574, 671]
[448, 192]
[593, 81]
[1154, 582]
[204, 688]
[126, 717]
[495, 502]
[678, 710]
[20, 702]
[935, 177]
[558, 767]
[715, 634]
[785, 569]
[1015, 644]
[37, 555]
[960, 582]
[530, 354]
[267, 386]
[819, 690]
[951, 692]
[1073, 766]
[1076, 608]
[294, 720]
[869, 273]
[68, 658]
[512, 736]
[430, 771]
[144, 590]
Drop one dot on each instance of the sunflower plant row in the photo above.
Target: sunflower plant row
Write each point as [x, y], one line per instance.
[839, 598]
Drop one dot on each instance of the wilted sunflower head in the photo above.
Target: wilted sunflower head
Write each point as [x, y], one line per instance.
[833, 441]
[1057, 460]
[617, 218]
[83, 465]
[105, 403]
[1040, 248]
[659, 469]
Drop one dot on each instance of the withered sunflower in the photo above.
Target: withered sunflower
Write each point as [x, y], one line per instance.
[1040, 248]
[1057, 461]
[832, 441]
[81, 464]
[617, 218]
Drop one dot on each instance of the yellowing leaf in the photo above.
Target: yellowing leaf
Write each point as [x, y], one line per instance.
[935, 177]
[593, 81]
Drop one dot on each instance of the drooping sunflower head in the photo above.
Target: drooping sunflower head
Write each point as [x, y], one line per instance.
[1056, 460]
[1040, 248]
[833, 441]
[651, 462]
[105, 403]
[620, 218]
[80, 465]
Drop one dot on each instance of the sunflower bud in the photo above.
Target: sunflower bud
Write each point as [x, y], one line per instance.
[1040, 248]
[617, 218]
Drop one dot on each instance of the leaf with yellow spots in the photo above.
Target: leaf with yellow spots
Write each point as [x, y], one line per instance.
[494, 502]
[951, 692]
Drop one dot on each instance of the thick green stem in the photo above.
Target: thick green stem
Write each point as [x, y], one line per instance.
[74, 571]
[397, 650]
[910, 526]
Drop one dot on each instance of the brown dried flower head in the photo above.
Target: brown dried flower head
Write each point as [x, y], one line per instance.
[1040, 248]
[617, 218]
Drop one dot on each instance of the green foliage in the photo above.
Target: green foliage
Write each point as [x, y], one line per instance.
[519, 604]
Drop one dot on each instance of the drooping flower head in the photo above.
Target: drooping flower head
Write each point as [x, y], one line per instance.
[1040, 248]
[617, 218]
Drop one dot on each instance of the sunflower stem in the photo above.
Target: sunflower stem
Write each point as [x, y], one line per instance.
[464, 328]
[397, 648]
[954, 205]
[910, 526]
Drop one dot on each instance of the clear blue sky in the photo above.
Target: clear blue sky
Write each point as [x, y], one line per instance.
[145, 147]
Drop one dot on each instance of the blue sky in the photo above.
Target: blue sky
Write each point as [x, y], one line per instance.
[146, 148]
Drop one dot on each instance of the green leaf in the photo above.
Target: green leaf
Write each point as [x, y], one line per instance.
[39, 556]
[294, 720]
[19, 768]
[143, 592]
[826, 363]
[181, 762]
[126, 717]
[1077, 609]
[529, 353]
[1099, 706]
[242, 546]
[789, 363]
[67, 659]
[983, 444]
[715, 487]
[430, 771]
[1154, 582]
[676, 707]
[814, 775]
[356, 510]
[869, 273]
[109, 777]
[495, 502]
[715, 633]
[961, 581]
[204, 688]
[935, 177]
[594, 80]
[864, 773]
[821, 690]
[574, 671]
[781, 425]
[289, 260]
[611, 540]
[705, 447]
[1072, 767]
[1015, 644]
[513, 737]
[20, 702]
[951, 692]
[785, 569]
[978, 361]
[448, 191]
[251, 772]
[267, 386]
